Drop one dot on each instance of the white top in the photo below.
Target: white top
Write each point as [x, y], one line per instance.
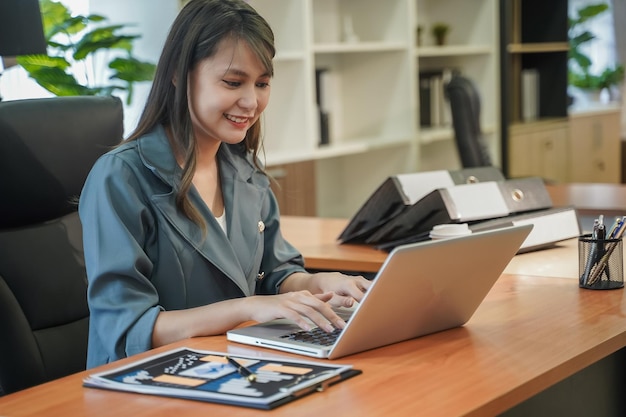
[222, 221]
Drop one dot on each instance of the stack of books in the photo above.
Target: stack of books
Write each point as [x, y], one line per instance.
[434, 108]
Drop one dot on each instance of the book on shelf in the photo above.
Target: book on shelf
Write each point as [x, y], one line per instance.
[530, 94]
[248, 381]
[434, 107]
[325, 90]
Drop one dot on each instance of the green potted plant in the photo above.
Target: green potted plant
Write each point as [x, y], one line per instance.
[606, 79]
[73, 43]
[440, 31]
[579, 70]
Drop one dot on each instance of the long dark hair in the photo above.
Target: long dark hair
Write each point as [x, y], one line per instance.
[194, 36]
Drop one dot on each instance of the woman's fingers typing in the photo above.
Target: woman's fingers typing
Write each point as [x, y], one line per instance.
[301, 307]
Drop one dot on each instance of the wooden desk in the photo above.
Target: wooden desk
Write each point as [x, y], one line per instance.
[528, 334]
[316, 238]
[590, 199]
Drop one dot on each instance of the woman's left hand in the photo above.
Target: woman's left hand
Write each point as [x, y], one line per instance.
[345, 288]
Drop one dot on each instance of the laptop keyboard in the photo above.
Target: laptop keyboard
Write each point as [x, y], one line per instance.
[316, 336]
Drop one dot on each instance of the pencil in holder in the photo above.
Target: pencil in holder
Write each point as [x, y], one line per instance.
[600, 263]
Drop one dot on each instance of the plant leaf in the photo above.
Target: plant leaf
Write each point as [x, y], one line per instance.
[103, 38]
[34, 62]
[582, 60]
[59, 82]
[131, 69]
[587, 12]
[586, 36]
[52, 14]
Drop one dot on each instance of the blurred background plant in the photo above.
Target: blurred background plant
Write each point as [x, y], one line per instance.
[75, 44]
[579, 71]
[440, 32]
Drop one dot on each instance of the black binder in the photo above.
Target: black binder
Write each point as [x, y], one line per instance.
[393, 221]
[390, 200]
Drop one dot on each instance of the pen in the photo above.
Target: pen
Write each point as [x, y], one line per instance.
[619, 230]
[600, 266]
[326, 377]
[594, 255]
[243, 371]
[615, 227]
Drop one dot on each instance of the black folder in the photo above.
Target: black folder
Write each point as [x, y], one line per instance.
[388, 218]
[390, 200]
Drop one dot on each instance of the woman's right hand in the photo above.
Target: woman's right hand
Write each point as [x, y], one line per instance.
[302, 307]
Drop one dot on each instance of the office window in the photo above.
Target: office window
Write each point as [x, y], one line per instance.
[602, 50]
[14, 81]
[149, 18]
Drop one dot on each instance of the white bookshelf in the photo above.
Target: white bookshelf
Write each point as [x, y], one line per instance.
[472, 47]
[374, 120]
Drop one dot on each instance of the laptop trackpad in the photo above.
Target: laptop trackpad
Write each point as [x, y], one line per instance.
[274, 328]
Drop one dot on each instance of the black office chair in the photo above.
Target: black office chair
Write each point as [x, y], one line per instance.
[465, 107]
[47, 147]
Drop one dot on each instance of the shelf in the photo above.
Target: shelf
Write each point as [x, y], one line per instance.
[329, 48]
[538, 124]
[527, 48]
[593, 109]
[534, 40]
[430, 135]
[334, 150]
[453, 50]
[289, 56]
[435, 134]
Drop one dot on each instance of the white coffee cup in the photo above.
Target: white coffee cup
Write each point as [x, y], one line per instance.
[445, 231]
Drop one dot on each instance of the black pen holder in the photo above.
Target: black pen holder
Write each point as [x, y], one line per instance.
[600, 263]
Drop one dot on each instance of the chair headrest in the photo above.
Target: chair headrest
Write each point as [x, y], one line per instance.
[47, 148]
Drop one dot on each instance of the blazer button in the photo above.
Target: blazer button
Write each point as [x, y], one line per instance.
[261, 226]
[260, 276]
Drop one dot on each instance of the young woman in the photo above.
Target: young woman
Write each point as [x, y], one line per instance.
[181, 229]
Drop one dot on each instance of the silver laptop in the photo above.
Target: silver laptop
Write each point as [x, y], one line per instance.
[421, 288]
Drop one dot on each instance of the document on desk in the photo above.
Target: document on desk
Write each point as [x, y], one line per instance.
[551, 225]
[247, 381]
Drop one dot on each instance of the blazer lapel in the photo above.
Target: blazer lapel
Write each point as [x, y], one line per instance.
[215, 247]
[245, 227]
[244, 190]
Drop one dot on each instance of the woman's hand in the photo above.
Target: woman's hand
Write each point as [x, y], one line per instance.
[301, 307]
[345, 288]
[337, 289]
[305, 298]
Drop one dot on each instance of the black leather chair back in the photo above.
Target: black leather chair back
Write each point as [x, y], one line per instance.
[47, 148]
[465, 107]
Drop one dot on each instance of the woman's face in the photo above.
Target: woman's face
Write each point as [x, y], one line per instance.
[227, 93]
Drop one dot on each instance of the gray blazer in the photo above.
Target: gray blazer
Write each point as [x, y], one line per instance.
[143, 256]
